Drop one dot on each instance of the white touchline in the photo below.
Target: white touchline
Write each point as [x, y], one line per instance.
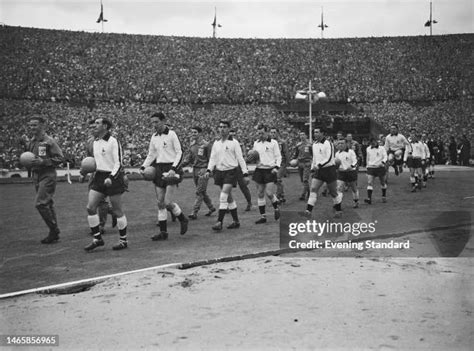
[88, 280]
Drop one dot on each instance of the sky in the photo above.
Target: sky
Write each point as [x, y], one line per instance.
[245, 19]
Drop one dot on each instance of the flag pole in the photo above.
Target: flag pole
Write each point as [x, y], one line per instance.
[431, 18]
[214, 24]
[310, 93]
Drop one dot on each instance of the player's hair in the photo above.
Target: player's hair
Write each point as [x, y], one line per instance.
[394, 125]
[37, 118]
[227, 123]
[107, 122]
[321, 129]
[275, 128]
[262, 126]
[197, 128]
[160, 115]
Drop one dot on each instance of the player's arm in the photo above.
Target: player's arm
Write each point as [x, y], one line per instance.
[151, 155]
[179, 153]
[384, 156]
[285, 152]
[117, 159]
[240, 158]
[212, 159]
[353, 158]
[277, 154]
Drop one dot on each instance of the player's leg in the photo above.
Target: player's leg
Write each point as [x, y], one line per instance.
[355, 193]
[162, 215]
[223, 205]
[270, 192]
[313, 195]
[116, 202]
[94, 198]
[174, 208]
[370, 188]
[233, 211]
[45, 189]
[336, 197]
[261, 202]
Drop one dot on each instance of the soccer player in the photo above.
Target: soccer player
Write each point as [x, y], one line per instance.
[395, 144]
[48, 157]
[354, 145]
[266, 172]
[304, 156]
[414, 159]
[226, 157]
[347, 171]
[376, 163]
[283, 145]
[434, 151]
[108, 181]
[103, 208]
[164, 153]
[198, 158]
[323, 170]
[240, 176]
[426, 162]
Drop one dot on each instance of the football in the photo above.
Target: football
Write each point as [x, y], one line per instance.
[88, 165]
[252, 156]
[294, 163]
[149, 173]
[398, 154]
[321, 96]
[26, 158]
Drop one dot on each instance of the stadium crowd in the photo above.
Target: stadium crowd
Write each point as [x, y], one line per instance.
[71, 77]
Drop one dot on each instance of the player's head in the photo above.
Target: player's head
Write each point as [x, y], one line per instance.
[303, 136]
[158, 121]
[274, 133]
[224, 128]
[349, 137]
[102, 126]
[341, 145]
[36, 125]
[394, 129]
[262, 131]
[374, 142]
[318, 133]
[340, 135]
[195, 132]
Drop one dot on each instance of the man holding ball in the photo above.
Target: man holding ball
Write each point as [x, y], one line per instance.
[108, 181]
[48, 155]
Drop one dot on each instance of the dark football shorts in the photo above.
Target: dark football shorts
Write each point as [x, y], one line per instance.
[347, 176]
[226, 177]
[325, 174]
[376, 171]
[117, 187]
[264, 176]
[163, 168]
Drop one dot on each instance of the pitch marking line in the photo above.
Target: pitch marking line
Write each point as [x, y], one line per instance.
[83, 282]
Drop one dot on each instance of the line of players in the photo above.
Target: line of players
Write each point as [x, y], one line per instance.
[223, 159]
